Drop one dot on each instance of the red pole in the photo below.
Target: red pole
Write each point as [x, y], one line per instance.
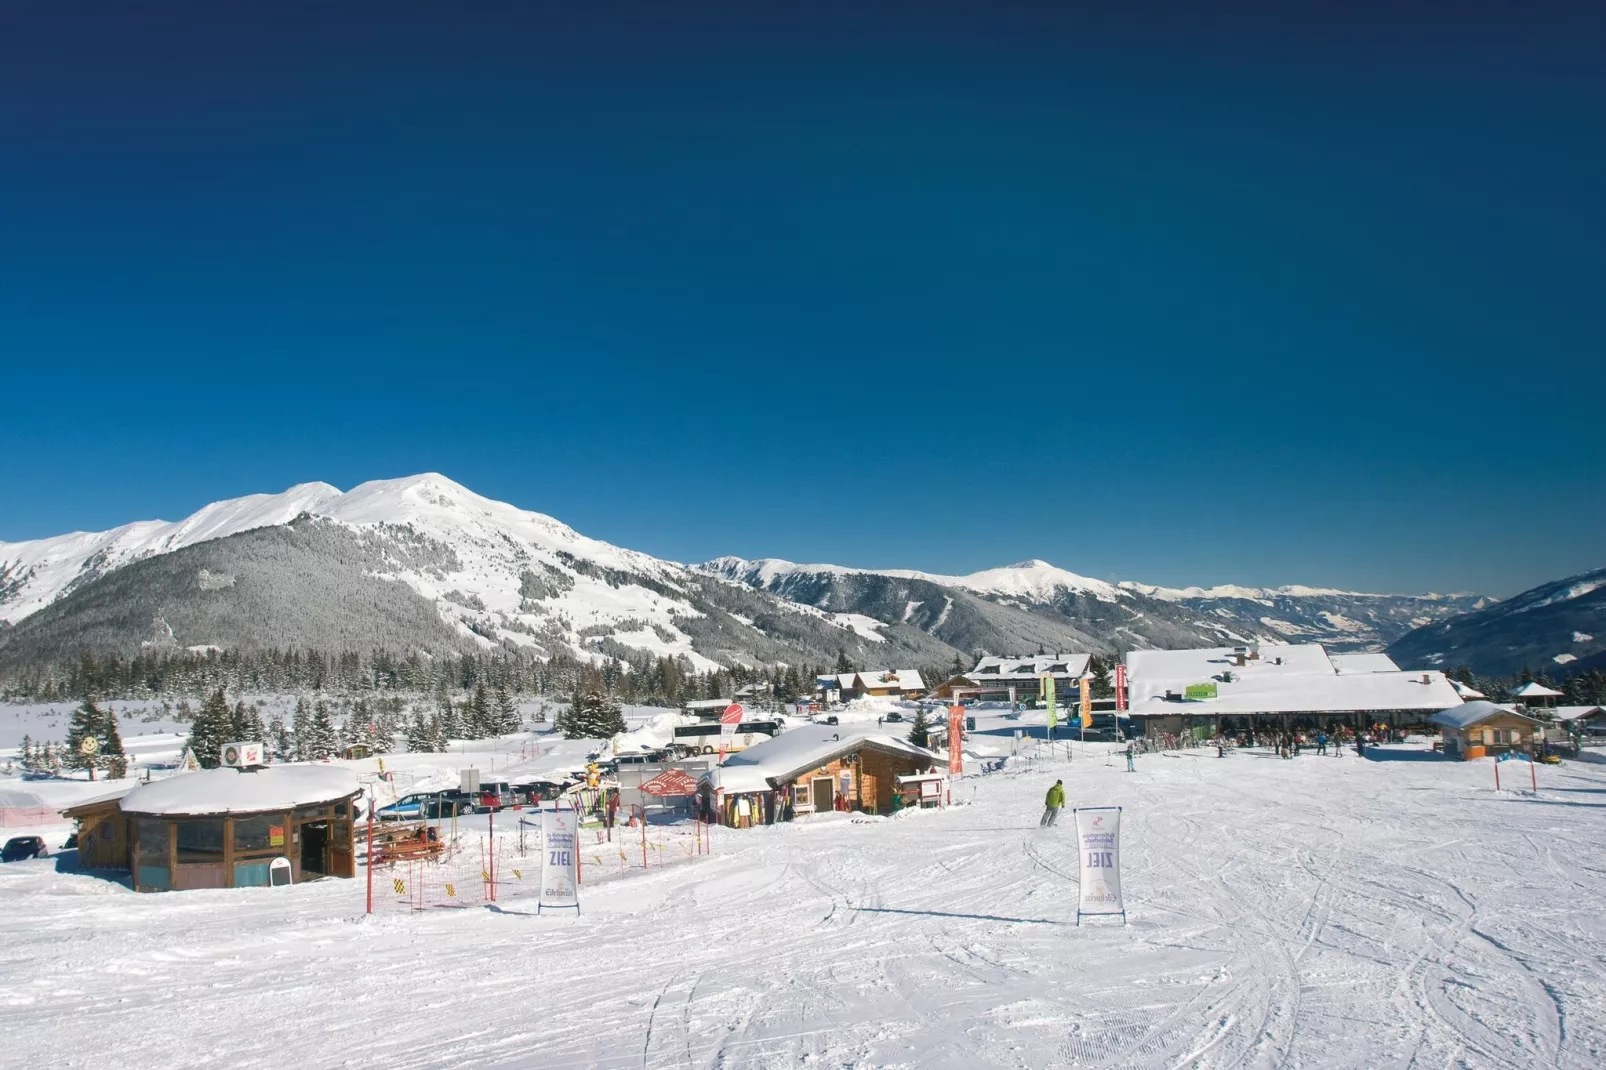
[490, 851]
[370, 856]
[643, 810]
[1497, 772]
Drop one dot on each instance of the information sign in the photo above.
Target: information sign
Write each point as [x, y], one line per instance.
[1098, 836]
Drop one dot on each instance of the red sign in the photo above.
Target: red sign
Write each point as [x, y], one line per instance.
[1120, 686]
[671, 782]
[733, 714]
[956, 734]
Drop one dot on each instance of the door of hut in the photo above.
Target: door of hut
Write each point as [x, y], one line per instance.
[823, 788]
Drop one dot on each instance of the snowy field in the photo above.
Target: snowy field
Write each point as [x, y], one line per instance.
[1322, 912]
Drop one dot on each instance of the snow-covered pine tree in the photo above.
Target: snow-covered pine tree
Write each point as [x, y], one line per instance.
[301, 730]
[239, 723]
[419, 736]
[477, 717]
[27, 754]
[323, 741]
[450, 726]
[209, 730]
[278, 739]
[255, 730]
[1103, 685]
[920, 731]
[110, 755]
[504, 714]
[85, 724]
[593, 715]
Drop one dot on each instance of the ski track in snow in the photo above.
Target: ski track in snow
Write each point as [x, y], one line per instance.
[1321, 912]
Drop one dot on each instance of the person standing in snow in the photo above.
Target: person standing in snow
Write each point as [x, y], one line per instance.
[1052, 804]
[1129, 757]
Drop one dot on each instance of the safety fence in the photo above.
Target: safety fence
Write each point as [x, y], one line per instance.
[471, 868]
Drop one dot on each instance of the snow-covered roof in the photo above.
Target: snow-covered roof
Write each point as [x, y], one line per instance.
[1466, 691]
[1306, 681]
[1344, 664]
[879, 679]
[1025, 669]
[229, 791]
[1535, 689]
[97, 800]
[803, 748]
[1572, 713]
[1471, 713]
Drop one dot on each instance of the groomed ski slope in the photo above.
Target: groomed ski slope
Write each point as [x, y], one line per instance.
[1322, 912]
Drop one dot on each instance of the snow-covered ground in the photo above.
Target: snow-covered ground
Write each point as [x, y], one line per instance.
[1322, 912]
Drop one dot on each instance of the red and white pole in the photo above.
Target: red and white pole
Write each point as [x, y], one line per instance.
[370, 865]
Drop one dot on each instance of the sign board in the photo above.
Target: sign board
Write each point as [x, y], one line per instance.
[89, 745]
[280, 875]
[956, 732]
[1098, 835]
[730, 718]
[930, 789]
[1120, 687]
[1199, 692]
[671, 782]
[468, 780]
[244, 755]
[189, 763]
[560, 861]
[275, 835]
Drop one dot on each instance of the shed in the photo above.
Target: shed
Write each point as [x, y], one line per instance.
[222, 828]
[1476, 728]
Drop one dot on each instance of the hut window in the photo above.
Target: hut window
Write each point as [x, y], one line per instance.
[201, 840]
[256, 833]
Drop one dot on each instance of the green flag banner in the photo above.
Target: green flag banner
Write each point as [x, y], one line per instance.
[1046, 684]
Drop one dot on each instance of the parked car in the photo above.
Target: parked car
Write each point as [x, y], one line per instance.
[493, 795]
[406, 808]
[21, 847]
[895, 716]
[537, 792]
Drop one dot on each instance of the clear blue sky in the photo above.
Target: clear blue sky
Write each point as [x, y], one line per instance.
[1262, 295]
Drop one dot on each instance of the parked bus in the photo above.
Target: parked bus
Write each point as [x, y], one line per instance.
[705, 738]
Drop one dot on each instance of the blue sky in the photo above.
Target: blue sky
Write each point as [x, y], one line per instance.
[1257, 296]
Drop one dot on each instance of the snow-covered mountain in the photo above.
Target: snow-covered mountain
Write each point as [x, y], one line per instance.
[1557, 627]
[1137, 614]
[423, 562]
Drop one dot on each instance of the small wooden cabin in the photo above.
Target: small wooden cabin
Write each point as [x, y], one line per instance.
[814, 767]
[1475, 729]
[222, 828]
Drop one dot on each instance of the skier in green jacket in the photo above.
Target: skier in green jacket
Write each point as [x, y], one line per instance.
[1052, 804]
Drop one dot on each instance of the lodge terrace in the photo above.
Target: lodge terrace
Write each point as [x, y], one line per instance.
[223, 828]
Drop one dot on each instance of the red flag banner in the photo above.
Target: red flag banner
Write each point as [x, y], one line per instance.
[1120, 686]
[956, 735]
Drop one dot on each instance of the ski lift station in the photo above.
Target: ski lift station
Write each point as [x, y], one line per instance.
[224, 828]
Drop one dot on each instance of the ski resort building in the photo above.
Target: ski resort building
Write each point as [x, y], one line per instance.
[1014, 678]
[1277, 687]
[880, 683]
[1476, 728]
[224, 828]
[816, 768]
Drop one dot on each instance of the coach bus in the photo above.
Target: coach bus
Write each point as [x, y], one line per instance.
[705, 738]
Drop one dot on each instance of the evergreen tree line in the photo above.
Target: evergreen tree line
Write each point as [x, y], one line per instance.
[1586, 688]
[93, 744]
[638, 679]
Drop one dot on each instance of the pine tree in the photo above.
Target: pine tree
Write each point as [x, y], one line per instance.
[842, 661]
[255, 731]
[504, 714]
[593, 715]
[322, 739]
[209, 730]
[419, 736]
[450, 726]
[920, 731]
[85, 725]
[239, 723]
[301, 729]
[110, 755]
[1102, 686]
[477, 714]
[278, 739]
[28, 758]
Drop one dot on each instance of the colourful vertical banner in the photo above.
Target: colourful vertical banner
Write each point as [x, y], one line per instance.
[956, 735]
[1087, 702]
[1045, 683]
[1120, 687]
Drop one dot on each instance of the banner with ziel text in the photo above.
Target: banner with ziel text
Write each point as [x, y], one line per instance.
[560, 861]
[1098, 835]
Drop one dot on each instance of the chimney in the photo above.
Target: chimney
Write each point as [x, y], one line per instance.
[1238, 657]
[1426, 679]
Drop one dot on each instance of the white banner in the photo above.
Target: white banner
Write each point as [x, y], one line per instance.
[560, 860]
[1098, 835]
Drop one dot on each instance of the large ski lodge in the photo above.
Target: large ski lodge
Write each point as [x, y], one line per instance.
[1277, 687]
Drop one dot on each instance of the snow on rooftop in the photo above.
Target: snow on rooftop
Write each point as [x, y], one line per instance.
[1470, 713]
[1345, 664]
[1307, 681]
[229, 791]
[1535, 689]
[1572, 713]
[801, 749]
[1466, 691]
[1026, 668]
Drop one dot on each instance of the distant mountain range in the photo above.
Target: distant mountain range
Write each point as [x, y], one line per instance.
[1557, 628]
[422, 563]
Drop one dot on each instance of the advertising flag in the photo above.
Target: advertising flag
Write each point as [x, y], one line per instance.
[1046, 683]
[1087, 702]
[1120, 687]
[729, 719]
[956, 735]
[560, 861]
[1098, 834]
